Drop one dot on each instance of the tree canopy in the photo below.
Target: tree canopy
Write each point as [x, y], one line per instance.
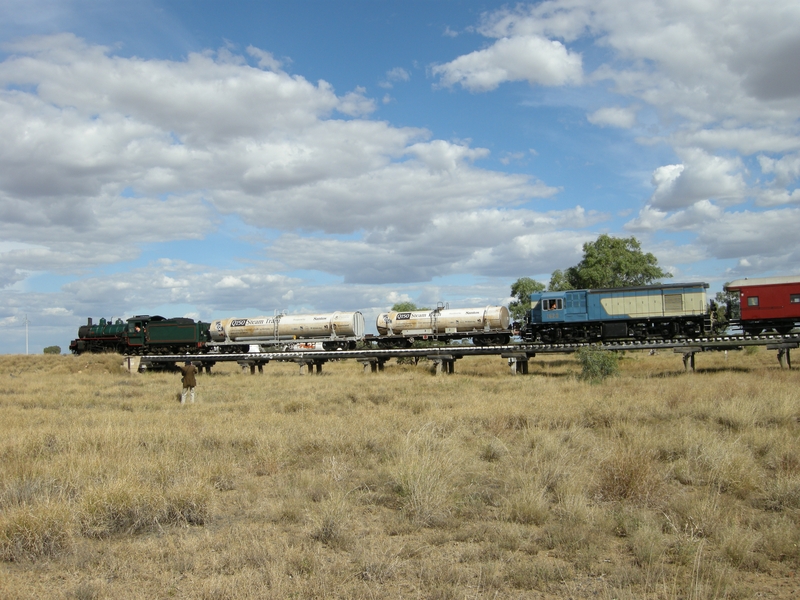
[521, 290]
[610, 262]
[406, 307]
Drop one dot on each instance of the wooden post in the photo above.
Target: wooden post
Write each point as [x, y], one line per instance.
[785, 358]
[518, 362]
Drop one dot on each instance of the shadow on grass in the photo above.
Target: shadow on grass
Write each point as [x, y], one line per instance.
[698, 371]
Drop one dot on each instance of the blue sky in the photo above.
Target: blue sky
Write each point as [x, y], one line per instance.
[212, 159]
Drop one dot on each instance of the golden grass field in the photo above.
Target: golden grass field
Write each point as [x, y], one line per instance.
[401, 484]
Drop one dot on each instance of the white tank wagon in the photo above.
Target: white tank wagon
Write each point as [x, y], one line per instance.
[338, 330]
[488, 324]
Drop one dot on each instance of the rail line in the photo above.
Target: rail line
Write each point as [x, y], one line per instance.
[444, 357]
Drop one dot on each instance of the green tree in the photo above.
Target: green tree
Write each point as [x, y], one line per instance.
[52, 350]
[611, 262]
[724, 308]
[403, 307]
[521, 290]
[406, 307]
[559, 282]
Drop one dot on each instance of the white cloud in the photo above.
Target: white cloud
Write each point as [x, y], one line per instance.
[785, 169]
[700, 177]
[265, 59]
[396, 75]
[526, 58]
[102, 154]
[614, 116]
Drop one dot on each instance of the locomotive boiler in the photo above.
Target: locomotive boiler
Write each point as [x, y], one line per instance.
[487, 324]
[336, 331]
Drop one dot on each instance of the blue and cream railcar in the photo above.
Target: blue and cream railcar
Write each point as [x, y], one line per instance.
[656, 311]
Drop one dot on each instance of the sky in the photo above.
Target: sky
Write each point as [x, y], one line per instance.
[210, 160]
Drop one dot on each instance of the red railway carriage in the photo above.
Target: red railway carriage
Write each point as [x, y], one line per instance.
[768, 303]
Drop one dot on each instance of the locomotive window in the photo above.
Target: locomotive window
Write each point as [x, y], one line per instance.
[752, 301]
[554, 304]
[794, 298]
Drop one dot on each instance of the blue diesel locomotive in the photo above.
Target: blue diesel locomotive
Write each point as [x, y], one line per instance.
[656, 311]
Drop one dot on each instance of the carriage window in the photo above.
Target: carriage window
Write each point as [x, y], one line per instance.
[794, 298]
[554, 304]
[752, 301]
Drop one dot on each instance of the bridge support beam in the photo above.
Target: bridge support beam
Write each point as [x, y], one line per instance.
[688, 356]
[372, 365]
[784, 353]
[310, 366]
[443, 363]
[132, 363]
[518, 362]
[245, 364]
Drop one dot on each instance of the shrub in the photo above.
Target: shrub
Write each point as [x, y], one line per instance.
[52, 350]
[31, 533]
[596, 364]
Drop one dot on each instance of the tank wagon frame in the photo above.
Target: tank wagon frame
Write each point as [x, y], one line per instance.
[663, 311]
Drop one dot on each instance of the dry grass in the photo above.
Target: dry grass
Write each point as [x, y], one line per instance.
[656, 484]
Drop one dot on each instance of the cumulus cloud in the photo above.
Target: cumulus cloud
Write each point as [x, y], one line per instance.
[700, 177]
[719, 82]
[534, 59]
[486, 242]
[103, 153]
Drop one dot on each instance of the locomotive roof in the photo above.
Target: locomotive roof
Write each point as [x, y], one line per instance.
[747, 282]
[656, 286]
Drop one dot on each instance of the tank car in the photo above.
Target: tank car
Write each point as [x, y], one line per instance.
[657, 311]
[335, 331]
[767, 303]
[489, 324]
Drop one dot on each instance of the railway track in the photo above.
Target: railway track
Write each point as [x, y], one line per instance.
[444, 357]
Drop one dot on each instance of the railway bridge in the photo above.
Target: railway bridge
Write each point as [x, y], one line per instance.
[445, 357]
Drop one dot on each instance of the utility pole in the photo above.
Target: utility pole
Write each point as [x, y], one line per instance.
[26, 333]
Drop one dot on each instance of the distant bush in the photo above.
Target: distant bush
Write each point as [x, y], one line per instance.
[596, 364]
[52, 350]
